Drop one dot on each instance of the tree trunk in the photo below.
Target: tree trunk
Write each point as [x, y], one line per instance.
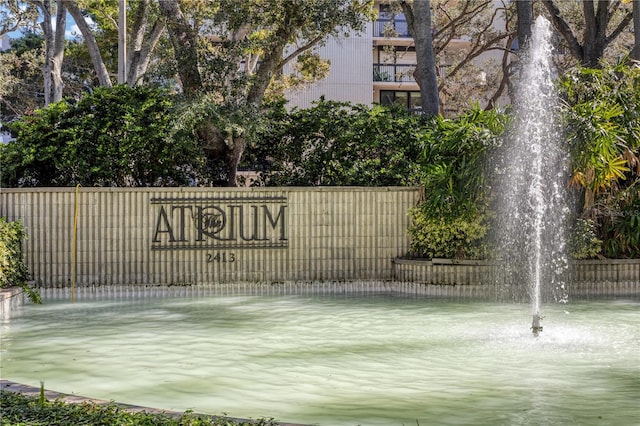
[92, 46]
[635, 52]
[233, 155]
[593, 41]
[58, 52]
[524, 10]
[184, 41]
[47, 29]
[54, 50]
[139, 54]
[596, 22]
[263, 76]
[418, 17]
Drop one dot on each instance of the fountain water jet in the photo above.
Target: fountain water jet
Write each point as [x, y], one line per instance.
[532, 171]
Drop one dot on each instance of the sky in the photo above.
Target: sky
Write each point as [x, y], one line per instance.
[71, 32]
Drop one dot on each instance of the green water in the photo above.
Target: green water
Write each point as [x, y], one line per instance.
[338, 359]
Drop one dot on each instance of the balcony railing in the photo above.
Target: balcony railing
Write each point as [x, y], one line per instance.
[393, 73]
[391, 28]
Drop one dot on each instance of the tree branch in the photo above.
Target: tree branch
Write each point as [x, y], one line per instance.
[474, 54]
[563, 28]
[302, 49]
[603, 15]
[505, 76]
[620, 28]
[142, 57]
[90, 41]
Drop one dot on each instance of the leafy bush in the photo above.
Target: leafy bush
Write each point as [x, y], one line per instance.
[602, 113]
[584, 243]
[340, 144]
[18, 409]
[13, 271]
[110, 137]
[222, 130]
[453, 162]
[621, 226]
[450, 238]
[452, 221]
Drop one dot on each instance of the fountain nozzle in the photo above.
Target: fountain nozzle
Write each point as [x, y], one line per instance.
[535, 326]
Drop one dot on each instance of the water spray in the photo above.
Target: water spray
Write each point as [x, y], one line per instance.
[536, 328]
[531, 172]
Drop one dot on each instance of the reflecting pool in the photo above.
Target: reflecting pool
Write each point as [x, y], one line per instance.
[336, 359]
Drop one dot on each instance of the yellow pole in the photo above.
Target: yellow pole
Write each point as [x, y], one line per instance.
[74, 263]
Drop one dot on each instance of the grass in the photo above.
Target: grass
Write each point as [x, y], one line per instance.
[17, 409]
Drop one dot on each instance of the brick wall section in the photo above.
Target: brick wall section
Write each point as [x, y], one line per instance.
[207, 235]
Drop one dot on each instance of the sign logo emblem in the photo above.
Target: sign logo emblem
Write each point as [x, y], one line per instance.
[219, 223]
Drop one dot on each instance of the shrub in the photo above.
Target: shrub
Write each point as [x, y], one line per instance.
[340, 144]
[602, 114]
[452, 221]
[110, 137]
[454, 161]
[583, 242]
[451, 238]
[13, 271]
[18, 409]
[620, 226]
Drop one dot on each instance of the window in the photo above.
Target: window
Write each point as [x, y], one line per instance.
[390, 21]
[407, 99]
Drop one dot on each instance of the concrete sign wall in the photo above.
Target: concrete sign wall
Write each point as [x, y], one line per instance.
[208, 235]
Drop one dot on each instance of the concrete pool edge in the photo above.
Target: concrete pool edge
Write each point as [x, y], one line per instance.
[13, 297]
[9, 386]
[10, 298]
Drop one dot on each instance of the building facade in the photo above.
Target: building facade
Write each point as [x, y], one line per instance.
[376, 65]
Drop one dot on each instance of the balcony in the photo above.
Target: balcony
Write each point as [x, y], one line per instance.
[391, 27]
[393, 73]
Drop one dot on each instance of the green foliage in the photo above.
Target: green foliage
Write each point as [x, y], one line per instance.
[13, 271]
[603, 118]
[111, 137]
[620, 228]
[18, 409]
[603, 128]
[21, 77]
[218, 128]
[340, 144]
[583, 242]
[453, 161]
[28, 42]
[452, 221]
[460, 237]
